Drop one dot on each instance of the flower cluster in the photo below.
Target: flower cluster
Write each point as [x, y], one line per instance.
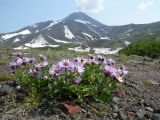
[77, 65]
[94, 76]
[20, 61]
[36, 71]
[117, 74]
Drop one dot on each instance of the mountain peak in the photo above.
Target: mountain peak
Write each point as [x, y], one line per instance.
[80, 16]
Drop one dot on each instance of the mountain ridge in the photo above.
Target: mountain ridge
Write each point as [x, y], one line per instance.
[81, 28]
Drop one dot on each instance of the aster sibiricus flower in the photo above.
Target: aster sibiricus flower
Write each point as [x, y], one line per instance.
[65, 64]
[12, 66]
[34, 73]
[117, 76]
[19, 61]
[110, 62]
[77, 80]
[55, 70]
[41, 65]
[77, 68]
[108, 70]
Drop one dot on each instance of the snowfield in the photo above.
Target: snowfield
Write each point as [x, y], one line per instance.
[24, 32]
[68, 33]
[81, 21]
[79, 49]
[59, 41]
[16, 40]
[106, 50]
[21, 48]
[85, 34]
[105, 37]
[127, 43]
[39, 42]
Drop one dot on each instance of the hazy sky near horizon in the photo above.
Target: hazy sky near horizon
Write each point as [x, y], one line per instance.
[15, 14]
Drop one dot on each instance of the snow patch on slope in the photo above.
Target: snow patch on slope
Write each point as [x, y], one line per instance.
[127, 43]
[39, 42]
[16, 40]
[104, 38]
[85, 34]
[51, 24]
[79, 49]
[24, 32]
[59, 41]
[106, 50]
[129, 30]
[21, 48]
[68, 33]
[81, 21]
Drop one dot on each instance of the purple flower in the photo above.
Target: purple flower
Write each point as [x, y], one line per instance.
[34, 73]
[55, 70]
[91, 56]
[108, 70]
[117, 76]
[12, 65]
[65, 64]
[81, 61]
[19, 61]
[122, 67]
[92, 61]
[77, 68]
[100, 58]
[124, 72]
[41, 65]
[77, 80]
[26, 60]
[110, 62]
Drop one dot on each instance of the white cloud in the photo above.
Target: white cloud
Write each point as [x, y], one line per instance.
[145, 5]
[94, 6]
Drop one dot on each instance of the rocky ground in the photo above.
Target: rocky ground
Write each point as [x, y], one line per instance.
[138, 100]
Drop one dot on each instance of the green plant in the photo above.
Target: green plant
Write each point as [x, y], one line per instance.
[69, 79]
[150, 48]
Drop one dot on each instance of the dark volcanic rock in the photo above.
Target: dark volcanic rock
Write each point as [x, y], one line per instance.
[4, 90]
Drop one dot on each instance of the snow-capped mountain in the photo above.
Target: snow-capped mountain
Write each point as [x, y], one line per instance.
[78, 28]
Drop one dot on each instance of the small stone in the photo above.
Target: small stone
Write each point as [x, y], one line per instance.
[140, 113]
[155, 117]
[115, 100]
[18, 87]
[131, 114]
[121, 115]
[120, 92]
[149, 109]
[115, 115]
[4, 90]
[70, 108]
[115, 108]
[83, 110]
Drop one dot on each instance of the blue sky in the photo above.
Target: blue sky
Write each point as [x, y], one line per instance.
[15, 14]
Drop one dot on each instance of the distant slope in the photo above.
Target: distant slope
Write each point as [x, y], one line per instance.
[79, 28]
